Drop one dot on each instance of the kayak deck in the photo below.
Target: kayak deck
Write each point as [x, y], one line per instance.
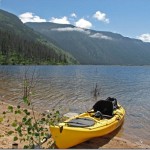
[68, 134]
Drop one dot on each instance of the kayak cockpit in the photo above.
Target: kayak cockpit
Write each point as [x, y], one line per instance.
[103, 109]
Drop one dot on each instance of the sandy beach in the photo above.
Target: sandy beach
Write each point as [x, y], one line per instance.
[109, 141]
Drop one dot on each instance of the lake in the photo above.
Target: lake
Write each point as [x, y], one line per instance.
[70, 88]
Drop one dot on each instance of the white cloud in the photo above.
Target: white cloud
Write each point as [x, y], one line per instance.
[63, 20]
[82, 23]
[100, 36]
[101, 17]
[144, 37]
[69, 29]
[73, 15]
[30, 17]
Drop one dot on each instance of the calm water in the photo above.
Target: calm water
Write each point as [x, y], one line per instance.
[70, 89]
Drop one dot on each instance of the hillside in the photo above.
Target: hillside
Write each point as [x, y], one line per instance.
[19, 44]
[95, 47]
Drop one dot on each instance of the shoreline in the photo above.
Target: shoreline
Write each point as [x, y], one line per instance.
[108, 141]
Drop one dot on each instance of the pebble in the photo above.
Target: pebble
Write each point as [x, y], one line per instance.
[4, 142]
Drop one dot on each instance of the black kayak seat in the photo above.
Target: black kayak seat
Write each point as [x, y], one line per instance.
[114, 101]
[81, 122]
[105, 107]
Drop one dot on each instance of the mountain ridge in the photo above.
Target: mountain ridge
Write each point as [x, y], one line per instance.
[51, 43]
[20, 44]
[96, 47]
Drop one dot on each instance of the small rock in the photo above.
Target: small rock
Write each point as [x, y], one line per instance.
[46, 111]
[4, 142]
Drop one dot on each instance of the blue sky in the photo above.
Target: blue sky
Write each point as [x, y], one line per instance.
[127, 17]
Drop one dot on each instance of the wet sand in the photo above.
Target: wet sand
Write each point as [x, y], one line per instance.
[109, 141]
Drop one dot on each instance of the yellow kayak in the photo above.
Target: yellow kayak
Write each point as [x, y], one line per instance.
[104, 118]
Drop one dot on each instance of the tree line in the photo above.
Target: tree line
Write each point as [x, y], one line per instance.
[16, 49]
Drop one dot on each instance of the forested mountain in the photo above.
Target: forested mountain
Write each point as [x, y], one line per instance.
[95, 47]
[19, 44]
[45, 43]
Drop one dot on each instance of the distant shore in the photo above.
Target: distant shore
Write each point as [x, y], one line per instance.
[101, 142]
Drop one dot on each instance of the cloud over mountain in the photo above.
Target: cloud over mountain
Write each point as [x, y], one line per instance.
[144, 37]
[100, 36]
[63, 20]
[30, 17]
[82, 23]
[71, 29]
